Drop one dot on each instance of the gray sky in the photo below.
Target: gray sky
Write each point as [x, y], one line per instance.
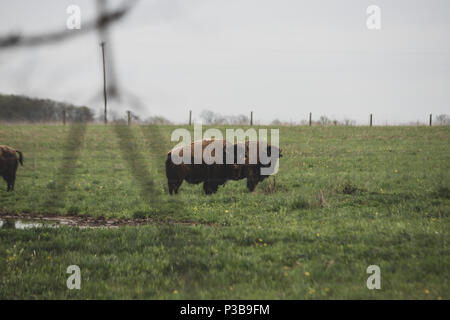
[280, 58]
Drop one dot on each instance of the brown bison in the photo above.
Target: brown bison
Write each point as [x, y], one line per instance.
[196, 169]
[9, 164]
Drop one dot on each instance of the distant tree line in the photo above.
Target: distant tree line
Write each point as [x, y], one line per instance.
[17, 108]
[157, 120]
[441, 119]
[154, 120]
[209, 117]
[323, 121]
[21, 108]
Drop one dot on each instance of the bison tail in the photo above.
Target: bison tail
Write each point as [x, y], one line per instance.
[20, 157]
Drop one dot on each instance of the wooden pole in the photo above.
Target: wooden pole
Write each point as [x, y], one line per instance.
[190, 117]
[64, 116]
[102, 44]
[129, 117]
[310, 119]
[370, 119]
[431, 119]
[251, 118]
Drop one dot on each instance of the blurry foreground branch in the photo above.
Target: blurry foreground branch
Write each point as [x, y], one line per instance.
[103, 20]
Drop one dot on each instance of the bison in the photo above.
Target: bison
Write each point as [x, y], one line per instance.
[196, 170]
[214, 174]
[9, 164]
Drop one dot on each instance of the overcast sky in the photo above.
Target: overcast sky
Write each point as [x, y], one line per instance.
[280, 58]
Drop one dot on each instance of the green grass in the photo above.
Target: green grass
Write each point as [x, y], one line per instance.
[344, 198]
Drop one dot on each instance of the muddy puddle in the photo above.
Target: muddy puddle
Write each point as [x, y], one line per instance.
[21, 224]
[30, 221]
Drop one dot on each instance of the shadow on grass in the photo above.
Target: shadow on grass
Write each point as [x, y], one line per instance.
[159, 147]
[138, 167]
[136, 163]
[68, 165]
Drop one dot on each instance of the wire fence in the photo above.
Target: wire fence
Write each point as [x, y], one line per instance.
[113, 92]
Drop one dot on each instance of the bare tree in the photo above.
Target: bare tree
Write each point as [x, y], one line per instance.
[349, 122]
[207, 116]
[443, 119]
[323, 120]
[157, 120]
[276, 122]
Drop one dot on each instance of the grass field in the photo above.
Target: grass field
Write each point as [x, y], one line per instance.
[344, 198]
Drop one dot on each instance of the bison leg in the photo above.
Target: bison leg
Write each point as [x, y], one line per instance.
[170, 186]
[253, 177]
[13, 180]
[177, 185]
[210, 187]
[206, 187]
[214, 187]
[6, 178]
[251, 184]
[174, 185]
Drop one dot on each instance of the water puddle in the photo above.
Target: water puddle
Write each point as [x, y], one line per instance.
[24, 224]
[28, 221]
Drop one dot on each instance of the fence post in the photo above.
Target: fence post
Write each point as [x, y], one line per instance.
[431, 119]
[129, 117]
[190, 117]
[370, 119]
[64, 116]
[251, 118]
[310, 119]
[102, 44]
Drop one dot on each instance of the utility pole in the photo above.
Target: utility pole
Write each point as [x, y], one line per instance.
[190, 117]
[310, 119]
[251, 118]
[102, 44]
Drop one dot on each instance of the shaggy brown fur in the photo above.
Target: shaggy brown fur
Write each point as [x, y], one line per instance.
[9, 164]
[212, 175]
